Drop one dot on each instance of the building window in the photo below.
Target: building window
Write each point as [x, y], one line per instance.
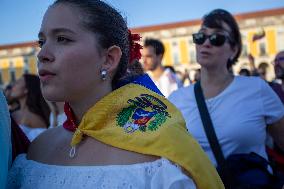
[280, 37]
[26, 65]
[176, 58]
[190, 41]
[13, 75]
[192, 56]
[262, 49]
[174, 44]
[245, 51]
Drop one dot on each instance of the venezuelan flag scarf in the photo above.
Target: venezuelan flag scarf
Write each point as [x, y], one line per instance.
[136, 117]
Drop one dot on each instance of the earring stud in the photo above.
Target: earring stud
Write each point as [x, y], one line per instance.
[103, 74]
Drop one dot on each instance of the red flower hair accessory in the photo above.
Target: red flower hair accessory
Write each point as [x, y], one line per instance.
[134, 50]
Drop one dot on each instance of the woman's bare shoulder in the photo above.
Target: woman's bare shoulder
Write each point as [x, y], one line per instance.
[47, 142]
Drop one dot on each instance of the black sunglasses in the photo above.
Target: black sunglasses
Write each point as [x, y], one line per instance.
[215, 39]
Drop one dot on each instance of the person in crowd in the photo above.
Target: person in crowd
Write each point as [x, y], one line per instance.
[13, 104]
[197, 76]
[20, 142]
[242, 109]
[183, 76]
[262, 70]
[120, 131]
[164, 78]
[275, 152]
[252, 67]
[279, 74]
[171, 68]
[186, 79]
[33, 115]
[5, 141]
[244, 72]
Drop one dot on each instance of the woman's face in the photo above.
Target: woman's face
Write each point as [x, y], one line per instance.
[19, 89]
[69, 61]
[211, 56]
[279, 65]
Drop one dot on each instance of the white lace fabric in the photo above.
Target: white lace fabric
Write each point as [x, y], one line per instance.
[160, 174]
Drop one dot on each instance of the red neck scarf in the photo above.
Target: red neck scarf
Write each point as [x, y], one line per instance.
[69, 124]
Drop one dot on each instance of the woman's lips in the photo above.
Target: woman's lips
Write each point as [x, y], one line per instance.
[204, 54]
[45, 75]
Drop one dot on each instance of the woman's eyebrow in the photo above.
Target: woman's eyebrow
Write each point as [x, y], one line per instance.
[56, 31]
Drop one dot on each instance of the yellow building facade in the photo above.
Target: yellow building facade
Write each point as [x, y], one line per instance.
[16, 59]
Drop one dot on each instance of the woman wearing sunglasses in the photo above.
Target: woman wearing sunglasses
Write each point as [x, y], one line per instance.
[242, 109]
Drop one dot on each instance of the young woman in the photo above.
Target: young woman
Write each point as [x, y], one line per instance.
[242, 109]
[33, 115]
[120, 132]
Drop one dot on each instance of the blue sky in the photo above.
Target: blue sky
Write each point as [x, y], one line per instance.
[20, 19]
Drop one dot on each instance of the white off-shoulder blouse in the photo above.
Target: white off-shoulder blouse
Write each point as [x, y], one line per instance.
[159, 174]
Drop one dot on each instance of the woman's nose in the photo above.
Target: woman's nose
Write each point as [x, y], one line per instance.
[207, 42]
[45, 55]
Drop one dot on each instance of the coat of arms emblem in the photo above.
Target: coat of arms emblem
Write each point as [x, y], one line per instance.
[145, 112]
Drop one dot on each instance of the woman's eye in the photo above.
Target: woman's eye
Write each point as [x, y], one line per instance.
[40, 43]
[62, 39]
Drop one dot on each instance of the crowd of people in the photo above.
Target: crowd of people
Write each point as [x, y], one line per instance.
[119, 123]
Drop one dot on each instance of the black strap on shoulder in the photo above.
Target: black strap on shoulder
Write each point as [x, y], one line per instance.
[207, 125]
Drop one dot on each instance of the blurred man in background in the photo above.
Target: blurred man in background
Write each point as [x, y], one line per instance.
[279, 74]
[164, 78]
